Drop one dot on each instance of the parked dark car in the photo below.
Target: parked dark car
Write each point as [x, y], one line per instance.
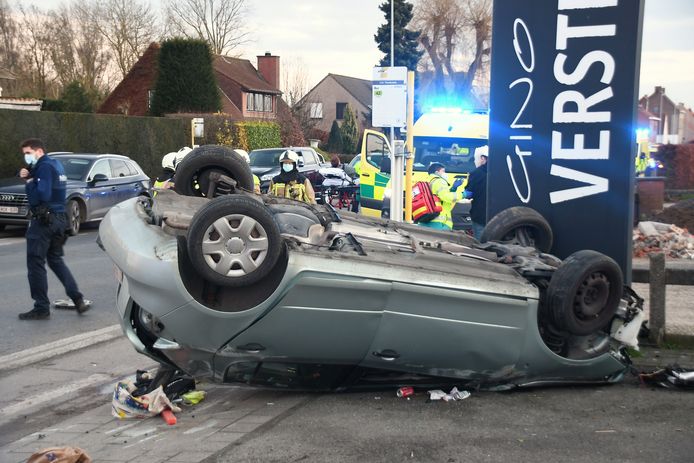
[265, 163]
[95, 183]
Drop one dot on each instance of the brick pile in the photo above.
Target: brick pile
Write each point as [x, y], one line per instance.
[652, 237]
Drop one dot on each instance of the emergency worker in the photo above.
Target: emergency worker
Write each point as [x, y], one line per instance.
[256, 180]
[446, 193]
[290, 183]
[45, 188]
[168, 166]
[476, 189]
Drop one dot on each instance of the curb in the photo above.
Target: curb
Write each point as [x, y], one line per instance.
[63, 346]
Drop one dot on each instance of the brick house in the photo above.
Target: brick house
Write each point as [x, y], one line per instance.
[246, 92]
[326, 101]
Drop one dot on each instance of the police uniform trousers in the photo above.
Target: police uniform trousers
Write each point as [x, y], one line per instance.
[45, 243]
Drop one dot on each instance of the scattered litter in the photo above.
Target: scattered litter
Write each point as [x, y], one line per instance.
[654, 237]
[455, 394]
[60, 454]
[125, 405]
[168, 416]
[195, 397]
[671, 377]
[406, 391]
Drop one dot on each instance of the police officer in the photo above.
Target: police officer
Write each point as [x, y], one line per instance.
[45, 188]
[290, 183]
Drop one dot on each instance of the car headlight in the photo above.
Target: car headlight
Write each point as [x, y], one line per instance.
[266, 177]
[150, 322]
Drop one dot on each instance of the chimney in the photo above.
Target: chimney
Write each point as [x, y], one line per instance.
[269, 68]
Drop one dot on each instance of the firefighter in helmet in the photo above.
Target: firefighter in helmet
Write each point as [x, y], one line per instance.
[290, 183]
[447, 194]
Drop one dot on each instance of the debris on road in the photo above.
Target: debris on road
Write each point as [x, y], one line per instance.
[652, 237]
[195, 397]
[455, 394]
[405, 391]
[126, 405]
[670, 377]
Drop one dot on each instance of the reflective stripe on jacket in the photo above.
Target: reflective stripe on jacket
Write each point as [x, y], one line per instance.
[441, 188]
[291, 190]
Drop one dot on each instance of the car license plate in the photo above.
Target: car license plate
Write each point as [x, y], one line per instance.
[9, 210]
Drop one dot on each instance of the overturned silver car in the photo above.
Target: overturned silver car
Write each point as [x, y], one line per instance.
[237, 287]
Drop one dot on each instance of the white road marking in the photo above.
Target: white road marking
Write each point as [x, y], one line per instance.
[23, 406]
[62, 346]
[9, 241]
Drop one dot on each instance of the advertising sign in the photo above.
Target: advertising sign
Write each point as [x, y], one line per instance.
[564, 82]
[389, 97]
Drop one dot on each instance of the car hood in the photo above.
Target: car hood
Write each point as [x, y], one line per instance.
[264, 170]
[12, 185]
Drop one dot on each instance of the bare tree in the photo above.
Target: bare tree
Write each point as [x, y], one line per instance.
[219, 22]
[294, 80]
[9, 55]
[77, 54]
[127, 26]
[35, 75]
[455, 35]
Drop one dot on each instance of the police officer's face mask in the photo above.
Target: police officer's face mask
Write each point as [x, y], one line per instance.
[287, 166]
[29, 158]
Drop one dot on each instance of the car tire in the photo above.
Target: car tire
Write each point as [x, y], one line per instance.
[192, 174]
[519, 225]
[233, 241]
[74, 217]
[584, 292]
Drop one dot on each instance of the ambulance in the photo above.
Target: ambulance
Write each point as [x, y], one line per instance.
[445, 135]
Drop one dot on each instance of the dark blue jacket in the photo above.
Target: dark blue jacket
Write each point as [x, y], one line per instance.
[48, 184]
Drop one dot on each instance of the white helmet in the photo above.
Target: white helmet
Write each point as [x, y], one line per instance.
[243, 154]
[169, 161]
[180, 154]
[289, 155]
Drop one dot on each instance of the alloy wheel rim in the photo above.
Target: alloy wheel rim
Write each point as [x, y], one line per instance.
[235, 245]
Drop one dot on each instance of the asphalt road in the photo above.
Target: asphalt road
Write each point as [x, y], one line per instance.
[95, 276]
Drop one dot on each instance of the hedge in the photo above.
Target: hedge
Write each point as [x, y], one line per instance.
[144, 139]
[679, 165]
[248, 135]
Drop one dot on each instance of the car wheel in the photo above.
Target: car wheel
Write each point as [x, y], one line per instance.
[233, 241]
[193, 173]
[74, 217]
[584, 292]
[519, 225]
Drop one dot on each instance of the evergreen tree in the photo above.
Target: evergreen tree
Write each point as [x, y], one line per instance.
[406, 53]
[350, 132]
[335, 139]
[75, 99]
[185, 80]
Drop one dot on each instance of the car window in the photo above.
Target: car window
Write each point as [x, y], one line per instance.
[119, 168]
[309, 158]
[101, 167]
[75, 168]
[265, 158]
[456, 154]
[132, 168]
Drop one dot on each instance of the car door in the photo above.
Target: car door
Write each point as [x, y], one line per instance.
[322, 319]
[373, 182]
[449, 332]
[125, 183]
[100, 193]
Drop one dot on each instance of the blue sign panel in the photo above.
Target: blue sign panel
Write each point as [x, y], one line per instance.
[562, 118]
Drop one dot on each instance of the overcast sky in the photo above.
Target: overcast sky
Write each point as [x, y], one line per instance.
[337, 36]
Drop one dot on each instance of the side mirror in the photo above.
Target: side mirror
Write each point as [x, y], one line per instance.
[99, 178]
[300, 163]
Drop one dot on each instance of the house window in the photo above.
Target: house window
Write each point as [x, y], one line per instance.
[259, 102]
[150, 96]
[316, 111]
[340, 111]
